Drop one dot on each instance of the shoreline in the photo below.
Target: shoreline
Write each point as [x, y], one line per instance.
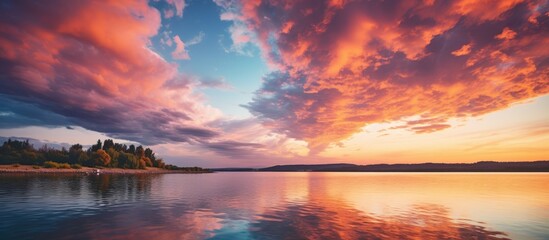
[28, 169]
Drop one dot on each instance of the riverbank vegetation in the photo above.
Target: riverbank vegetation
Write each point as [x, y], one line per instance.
[107, 154]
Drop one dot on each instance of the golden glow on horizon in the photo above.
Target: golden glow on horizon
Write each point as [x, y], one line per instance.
[519, 133]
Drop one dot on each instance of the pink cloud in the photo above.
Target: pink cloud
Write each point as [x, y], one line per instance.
[90, 62]
[345, 64]
[179, 5]
[169, 13]
[180, 52]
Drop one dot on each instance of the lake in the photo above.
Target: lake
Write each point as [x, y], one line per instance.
[276, 205]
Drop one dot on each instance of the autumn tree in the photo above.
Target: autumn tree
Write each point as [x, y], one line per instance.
[102, 158]
[115, 155]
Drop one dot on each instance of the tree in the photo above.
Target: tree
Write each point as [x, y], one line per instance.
[149, 153]
[74, 153]
[102, 158]
[119, 147]
[83, 159]
[128, 160]
[148, 161]
[159, 163]
[115, 155]
[142, 164]
[140, 152]
[131, 149]
[107, 154]
[97, 146]
[29, 157]
[108, 143]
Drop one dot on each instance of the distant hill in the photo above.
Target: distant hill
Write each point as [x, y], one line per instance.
[302, 167]
[485, 166]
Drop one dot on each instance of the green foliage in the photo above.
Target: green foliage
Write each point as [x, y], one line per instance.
[83, 158]
[75, 151]
[115, 155]
[109, 143]
[13, 151]
[106, 154]
[128, 160]
[187, 169]
[131, 149]
[50, 164]
[76, 166]
[140, 152]
[96, 147]
[159, 163]
[64, 166]
[60, 156]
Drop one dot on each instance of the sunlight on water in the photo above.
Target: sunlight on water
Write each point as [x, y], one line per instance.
[276, 205]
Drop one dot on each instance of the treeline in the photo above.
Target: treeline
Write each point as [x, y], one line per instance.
[107, 154]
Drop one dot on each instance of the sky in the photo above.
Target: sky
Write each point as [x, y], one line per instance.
[230, 83]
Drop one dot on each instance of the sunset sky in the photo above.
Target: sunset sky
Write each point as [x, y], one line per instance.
[229, 83]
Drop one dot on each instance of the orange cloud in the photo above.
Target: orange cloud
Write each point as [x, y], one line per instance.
[464, 50]
[343, 66]
[506, 34]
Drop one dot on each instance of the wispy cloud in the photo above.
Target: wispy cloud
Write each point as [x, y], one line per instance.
[180, 52]
[178, 5]
[196, 39]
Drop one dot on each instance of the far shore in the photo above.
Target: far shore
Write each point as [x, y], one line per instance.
[29, 169]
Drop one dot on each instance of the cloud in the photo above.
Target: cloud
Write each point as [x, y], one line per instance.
[188, 82]
[345, 64]
[169, 13]
[464, 50]
[196, 39]
[180, 52]
[179, 5]
[218, 83]
[88, 63]
[430, 128]
[234, 148]
[241, 36]
[506, 34]
[15, 114]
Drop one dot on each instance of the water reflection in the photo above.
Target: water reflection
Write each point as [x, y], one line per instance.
[319, 220]
[273, 206]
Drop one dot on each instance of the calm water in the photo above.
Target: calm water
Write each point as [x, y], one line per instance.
[276, 206]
